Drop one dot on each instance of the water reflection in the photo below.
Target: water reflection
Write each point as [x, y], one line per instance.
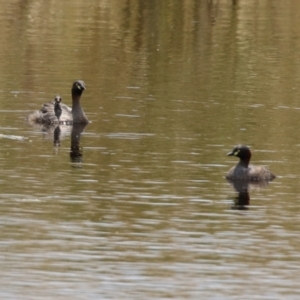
[242, 200]
[59, 132]
[76, 149]
[56, 136]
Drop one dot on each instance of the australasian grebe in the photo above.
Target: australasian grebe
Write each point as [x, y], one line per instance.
[48, 115]
[244, 171]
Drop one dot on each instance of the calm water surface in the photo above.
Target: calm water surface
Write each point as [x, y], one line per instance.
[138, 207]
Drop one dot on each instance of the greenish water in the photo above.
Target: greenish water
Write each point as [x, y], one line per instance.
[145, 211]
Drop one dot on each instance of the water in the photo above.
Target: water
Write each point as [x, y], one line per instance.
[141, 209]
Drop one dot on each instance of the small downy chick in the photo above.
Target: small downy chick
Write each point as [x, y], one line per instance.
[57, 107]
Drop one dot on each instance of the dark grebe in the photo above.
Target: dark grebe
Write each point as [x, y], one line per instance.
[244, 171]
[48, 114]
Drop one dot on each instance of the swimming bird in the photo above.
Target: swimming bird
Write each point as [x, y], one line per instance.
[47, 114]
[244, 171]
[57, 108]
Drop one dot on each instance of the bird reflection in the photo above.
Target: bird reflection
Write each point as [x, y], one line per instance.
[60, 131]
[76, 150]
[242, 200]
[56, 136]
